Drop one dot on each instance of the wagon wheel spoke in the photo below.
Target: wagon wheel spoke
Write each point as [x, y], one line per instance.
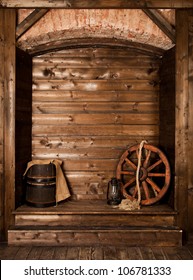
[154, 165]
[153, 184]
[129, 162]
[127, 172]
[129, 183]
[156, 174]
[146, 190]
[137, 153]
[146, 162]
[135, 192]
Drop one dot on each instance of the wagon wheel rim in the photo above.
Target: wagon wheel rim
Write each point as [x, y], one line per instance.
[154, 167]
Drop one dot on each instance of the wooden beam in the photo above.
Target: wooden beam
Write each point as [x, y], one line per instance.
[190, 125]
[9, 115]
[83, 42]
[182, 117]
[96, 4]
[161, 22]
[29, 21]
[1, 125]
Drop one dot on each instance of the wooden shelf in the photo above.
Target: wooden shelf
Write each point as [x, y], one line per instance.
[93, 207]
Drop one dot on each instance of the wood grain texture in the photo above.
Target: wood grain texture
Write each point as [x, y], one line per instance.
[89, 104]
[1, 123]
[96, 41]
[93, 236]
[97, 253]
[86, 4]
[182, 104]
[190, 126]
[9, 115]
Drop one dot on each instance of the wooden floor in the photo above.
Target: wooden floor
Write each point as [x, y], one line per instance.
[95, 253]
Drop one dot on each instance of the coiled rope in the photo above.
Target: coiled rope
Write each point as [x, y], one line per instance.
[128, 204]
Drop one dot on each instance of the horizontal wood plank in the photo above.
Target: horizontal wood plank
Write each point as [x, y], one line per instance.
[70, 142]
[93, 51]
[99, 62]
[129, 236]
[120, 220]
[73, 95]
[134, 130]
[86, 4]
[91, 119]
[95, 85]
[55, 107]
[58, 72]
[105, 153]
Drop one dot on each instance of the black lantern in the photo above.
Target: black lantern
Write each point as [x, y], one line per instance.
[114, 192]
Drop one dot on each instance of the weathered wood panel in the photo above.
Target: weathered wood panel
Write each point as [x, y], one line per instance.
[92, 236]
[103, 130]
[100, 41]
[100, 62]
[96, 253]
[87, 4]
[182, 104]
[131, 108]
[190, 125]
[9, 21]
[89, 105]
[125, 96]
[59, 72]
[96, 119]
[95, 85]
[96, 52]
[1, 123]
[23, 121]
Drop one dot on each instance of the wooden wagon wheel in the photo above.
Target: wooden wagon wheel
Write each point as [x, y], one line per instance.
[154, 174]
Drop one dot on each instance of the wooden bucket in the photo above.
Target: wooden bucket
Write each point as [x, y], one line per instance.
[41, 185]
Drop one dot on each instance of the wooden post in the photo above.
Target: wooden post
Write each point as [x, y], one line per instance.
[7, 94]
[190, 126]
[1, 121]
[182, 117]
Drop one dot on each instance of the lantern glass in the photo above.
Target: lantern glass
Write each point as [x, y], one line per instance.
[114, 192]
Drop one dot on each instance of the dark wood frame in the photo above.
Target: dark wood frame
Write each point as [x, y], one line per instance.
[184, 120]
[97, 4]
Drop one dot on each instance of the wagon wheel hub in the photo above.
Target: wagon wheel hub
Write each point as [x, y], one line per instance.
[143, 174]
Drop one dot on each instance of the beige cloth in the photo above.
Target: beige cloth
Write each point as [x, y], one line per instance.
[62, 191]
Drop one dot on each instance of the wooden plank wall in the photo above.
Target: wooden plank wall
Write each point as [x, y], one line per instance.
[23, 121]
[167, 114]
[89, 105]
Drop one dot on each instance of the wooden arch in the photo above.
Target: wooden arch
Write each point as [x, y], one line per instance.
[92, 41]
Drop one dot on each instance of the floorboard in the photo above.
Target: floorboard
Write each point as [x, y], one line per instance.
[158, 253]
[60, 253]
[147, 253]
[95, 253]
[22, 253]
[35, 253]
[47, 253]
